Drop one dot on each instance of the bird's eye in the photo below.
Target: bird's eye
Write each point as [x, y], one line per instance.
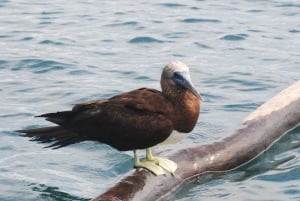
[177, 75]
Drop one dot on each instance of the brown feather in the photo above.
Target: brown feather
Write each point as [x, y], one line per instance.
[133, 120]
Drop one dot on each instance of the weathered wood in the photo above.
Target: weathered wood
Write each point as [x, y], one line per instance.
[258, 131]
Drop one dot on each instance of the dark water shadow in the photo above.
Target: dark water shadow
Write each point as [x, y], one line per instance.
[51, 193]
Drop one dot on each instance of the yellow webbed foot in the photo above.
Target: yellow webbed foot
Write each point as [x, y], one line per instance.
[156, 165]
[151, 166]
[165, 163]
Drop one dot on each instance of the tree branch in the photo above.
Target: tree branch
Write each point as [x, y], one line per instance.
[260, 129]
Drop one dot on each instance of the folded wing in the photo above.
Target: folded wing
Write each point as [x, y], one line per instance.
[134, 120]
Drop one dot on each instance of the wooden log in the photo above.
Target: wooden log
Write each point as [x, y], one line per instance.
[257, 132]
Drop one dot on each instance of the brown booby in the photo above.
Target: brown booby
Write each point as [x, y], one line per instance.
[138, 119]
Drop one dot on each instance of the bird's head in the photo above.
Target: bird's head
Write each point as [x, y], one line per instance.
[177, 73]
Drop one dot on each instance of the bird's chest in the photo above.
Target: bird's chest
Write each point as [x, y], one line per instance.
[187, 114]
[174, 138]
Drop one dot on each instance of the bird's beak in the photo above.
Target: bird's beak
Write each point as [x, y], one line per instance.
[185, 81]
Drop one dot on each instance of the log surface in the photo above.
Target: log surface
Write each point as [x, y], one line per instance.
[257, 132]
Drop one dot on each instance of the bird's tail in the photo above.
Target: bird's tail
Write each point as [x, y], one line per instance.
[59, 136]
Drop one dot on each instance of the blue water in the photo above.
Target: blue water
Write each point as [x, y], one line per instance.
[54, 54]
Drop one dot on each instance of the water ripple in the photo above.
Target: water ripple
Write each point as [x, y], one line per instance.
[289, 5]
[291, 174]
[28, 38]
[201, 45]
[235, 37]
[172, 5]
[200, 20]
[38, 66]
[145, 39]
[176, 35]
[129, 23]
[294, 31]
[242, 107]
[255, 11]
[79, 72]
[50, 42]
[54, 193]
[5, 36]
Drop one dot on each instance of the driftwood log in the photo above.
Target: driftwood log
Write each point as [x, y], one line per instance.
[257, 132]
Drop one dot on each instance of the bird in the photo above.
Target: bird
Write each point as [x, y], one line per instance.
[133, 120]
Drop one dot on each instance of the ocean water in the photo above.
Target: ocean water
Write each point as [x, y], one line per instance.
[54, 54]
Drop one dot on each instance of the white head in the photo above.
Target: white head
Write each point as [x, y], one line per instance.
[178, 74]
[176, 66]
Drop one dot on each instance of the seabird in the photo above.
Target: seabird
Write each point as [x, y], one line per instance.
[138, 119]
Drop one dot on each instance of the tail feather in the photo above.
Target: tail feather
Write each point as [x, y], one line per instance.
[59, 144]
[60, 136]
[60, 118]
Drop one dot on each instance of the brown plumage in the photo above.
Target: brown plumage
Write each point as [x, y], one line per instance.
[133, 120]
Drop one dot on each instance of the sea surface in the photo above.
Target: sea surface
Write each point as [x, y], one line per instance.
[54, 54]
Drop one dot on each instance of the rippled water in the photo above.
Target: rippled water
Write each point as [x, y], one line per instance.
[57, 53]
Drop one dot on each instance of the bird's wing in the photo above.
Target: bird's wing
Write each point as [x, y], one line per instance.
[144, 99]
[132, 120]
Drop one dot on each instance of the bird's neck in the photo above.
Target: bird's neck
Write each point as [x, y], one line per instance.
[187, 108]
[188, 114]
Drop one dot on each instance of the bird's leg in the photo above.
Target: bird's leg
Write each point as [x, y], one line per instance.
[165, 163]
[147, 164]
